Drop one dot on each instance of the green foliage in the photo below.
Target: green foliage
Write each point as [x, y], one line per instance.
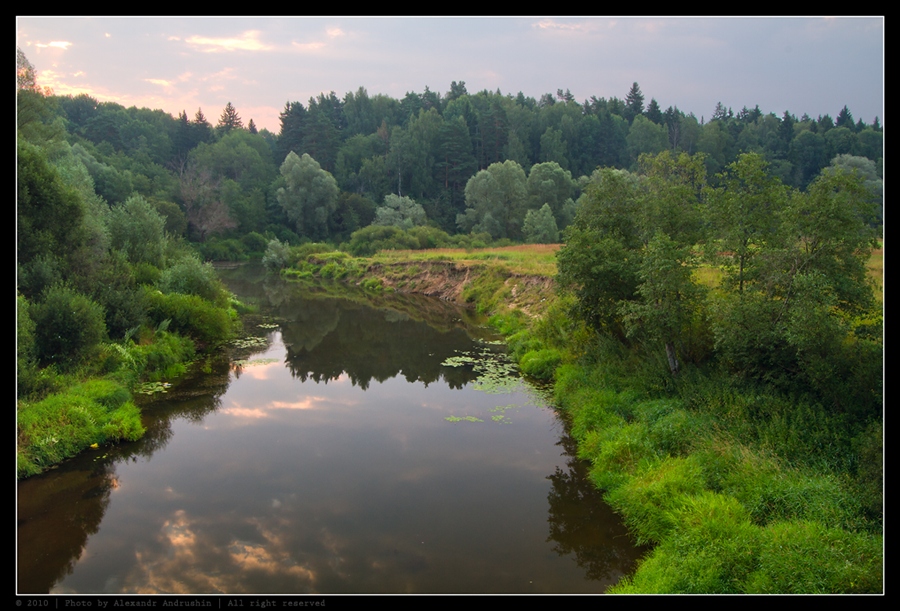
[540, 364]
[600, 259]
[64, 424]
[137, 229]
[808, 557]
[189, 276]
[219, 249]
[255, 242]
[540, 226]
[277, 255]
[191, 315]
[402, 212]
[68, 327]
[549, 184]
[162, 357]
[369, 240]
[49, 212]
[711, 551]
[309, 196]
[495, 201]
[26, 351]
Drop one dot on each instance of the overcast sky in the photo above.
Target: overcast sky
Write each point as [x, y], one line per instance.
[804, 65]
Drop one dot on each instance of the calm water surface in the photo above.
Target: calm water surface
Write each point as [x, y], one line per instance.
[335, 453]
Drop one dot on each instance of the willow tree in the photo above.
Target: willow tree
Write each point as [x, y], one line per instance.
[309, 196]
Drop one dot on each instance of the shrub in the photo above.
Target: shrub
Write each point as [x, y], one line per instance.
[191, 277]
[276, 255]
[255, 242]
[68, 326]
[192, 316]
[218, 249]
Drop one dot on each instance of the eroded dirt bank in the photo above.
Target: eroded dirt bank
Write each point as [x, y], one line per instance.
[465, 283]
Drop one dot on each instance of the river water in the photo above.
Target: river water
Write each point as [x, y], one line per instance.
[356, 444]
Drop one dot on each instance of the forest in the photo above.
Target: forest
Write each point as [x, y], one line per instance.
[720, 262]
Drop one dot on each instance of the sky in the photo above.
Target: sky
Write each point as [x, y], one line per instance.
[804, 65]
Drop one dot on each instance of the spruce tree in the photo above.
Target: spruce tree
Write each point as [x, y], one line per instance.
[229, 119]
[634, 103]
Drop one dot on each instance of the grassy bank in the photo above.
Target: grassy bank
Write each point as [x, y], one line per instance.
[63, 411]
[740, 489]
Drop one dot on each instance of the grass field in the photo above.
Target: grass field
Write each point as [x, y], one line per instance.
[525, 260]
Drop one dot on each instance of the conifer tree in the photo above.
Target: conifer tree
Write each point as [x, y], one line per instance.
[230, 119]
[634, 103]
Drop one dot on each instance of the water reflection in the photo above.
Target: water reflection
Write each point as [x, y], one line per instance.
[328, 460]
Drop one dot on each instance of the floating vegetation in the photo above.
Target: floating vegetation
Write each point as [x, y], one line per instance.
[150, 388]
[463, 419]
[253, 362]
[268, 325]
[250, 342]
[496, 374]
[500, 413]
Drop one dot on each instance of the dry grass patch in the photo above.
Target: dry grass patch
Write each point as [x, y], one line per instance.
[524, 260]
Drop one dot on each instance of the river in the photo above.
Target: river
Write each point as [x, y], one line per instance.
[354, 444]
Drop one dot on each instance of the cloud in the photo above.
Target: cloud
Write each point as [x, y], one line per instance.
[581, 27]
[308, 46]
[248, 41]
[335, 32]
[57, 44]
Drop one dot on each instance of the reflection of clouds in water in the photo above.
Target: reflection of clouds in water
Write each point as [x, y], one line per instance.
[308, 403]
[181, 568]
[261, 371]
[193, 561]
[245, 412]
[256, 557]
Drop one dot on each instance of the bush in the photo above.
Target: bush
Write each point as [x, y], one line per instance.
[218, 249]
[255, 242]
[277, 255]
[25, 347]
[68, 326]
[191, 315]
[191, 277]
[369, 240]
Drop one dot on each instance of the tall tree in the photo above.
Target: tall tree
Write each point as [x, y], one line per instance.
[309, 196]
[495, 201]
[230, 119]
[634, 103]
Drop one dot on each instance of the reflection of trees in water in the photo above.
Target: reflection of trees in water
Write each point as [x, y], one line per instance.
[583, 525]
[51, 535]
[60, 509]
[369, 344]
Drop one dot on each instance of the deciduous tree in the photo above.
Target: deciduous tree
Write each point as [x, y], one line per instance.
[309, 196]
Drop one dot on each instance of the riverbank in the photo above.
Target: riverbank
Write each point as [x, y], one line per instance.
[739, 489]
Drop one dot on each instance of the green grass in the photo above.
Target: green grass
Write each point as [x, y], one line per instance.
[64, 424]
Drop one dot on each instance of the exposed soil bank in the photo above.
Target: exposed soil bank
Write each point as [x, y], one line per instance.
[459, 282]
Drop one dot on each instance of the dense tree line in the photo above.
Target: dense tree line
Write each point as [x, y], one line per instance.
[103, 188]
[217, 184]
[106, 283]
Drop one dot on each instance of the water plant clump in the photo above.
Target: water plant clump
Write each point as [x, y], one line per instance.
[254, 362]
[151, 388]
[463, 419]
[496, 373]
[250, 342]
